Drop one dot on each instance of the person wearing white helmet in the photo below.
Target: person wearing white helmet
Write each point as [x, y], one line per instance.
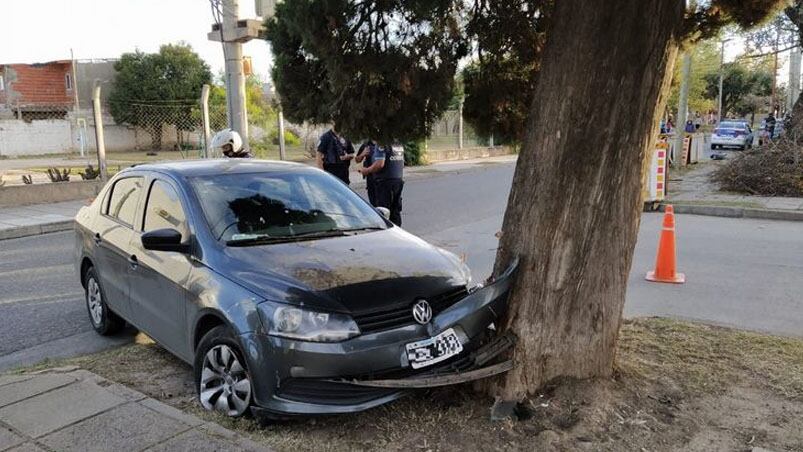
[230, 144]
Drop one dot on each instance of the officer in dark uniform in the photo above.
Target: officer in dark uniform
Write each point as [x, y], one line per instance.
[366, 156]
[334, 155]
[388, 171]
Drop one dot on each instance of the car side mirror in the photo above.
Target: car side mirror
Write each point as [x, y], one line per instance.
[164, 240]
[384, 211]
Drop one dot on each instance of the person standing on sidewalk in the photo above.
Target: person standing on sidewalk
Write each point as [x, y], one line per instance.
[334, 155]
[366, 156]
[388, 171]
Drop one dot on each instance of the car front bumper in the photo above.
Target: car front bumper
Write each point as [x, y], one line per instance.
[292, 377]
[729, 141]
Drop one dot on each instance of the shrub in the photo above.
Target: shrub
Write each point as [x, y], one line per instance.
[290, 138]
[414, 153]
[775, 169]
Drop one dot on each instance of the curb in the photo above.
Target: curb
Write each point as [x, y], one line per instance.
[737, 212]
[36, 229]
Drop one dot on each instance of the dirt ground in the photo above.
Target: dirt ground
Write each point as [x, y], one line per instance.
[677, 386]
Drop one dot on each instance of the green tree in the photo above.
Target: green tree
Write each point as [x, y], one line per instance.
[739, 83]
[704, 62]
[376, 68]
[508, 36]
[260, 112]
[170, 79]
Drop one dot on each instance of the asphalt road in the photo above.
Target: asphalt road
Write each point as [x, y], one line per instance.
[745, 273]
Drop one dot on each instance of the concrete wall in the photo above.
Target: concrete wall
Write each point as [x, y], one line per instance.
[21, 195]
[466, 153]
[18, 138]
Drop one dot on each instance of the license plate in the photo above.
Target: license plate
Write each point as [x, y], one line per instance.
[434, 350]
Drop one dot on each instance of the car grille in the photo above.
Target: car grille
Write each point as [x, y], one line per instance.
[400, 316]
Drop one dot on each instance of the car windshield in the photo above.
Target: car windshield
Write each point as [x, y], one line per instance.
[281, 206]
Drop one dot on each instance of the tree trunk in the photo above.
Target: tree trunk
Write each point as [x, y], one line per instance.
[795, 127]
[574, 207]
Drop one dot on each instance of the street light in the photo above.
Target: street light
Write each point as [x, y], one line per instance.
[721, 67]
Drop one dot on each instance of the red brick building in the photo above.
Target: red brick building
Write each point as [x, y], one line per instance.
[37, 91]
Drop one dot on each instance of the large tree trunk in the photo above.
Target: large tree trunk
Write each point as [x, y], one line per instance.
[574, 208]
[794, 130]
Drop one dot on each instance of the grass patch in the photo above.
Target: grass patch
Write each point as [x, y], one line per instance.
[676, 386]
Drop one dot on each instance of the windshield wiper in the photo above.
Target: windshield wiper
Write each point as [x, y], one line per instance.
[267, 239]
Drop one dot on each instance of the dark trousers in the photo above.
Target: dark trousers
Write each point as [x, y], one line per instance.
[339, 170]
[389, 195]
[370, 187]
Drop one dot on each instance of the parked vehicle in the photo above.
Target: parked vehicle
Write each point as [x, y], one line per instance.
[732, 133]
[287, 292]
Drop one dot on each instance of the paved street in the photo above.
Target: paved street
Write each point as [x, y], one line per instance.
[740, 272]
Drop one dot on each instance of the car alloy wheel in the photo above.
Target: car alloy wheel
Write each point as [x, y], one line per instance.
[103, 320]
[225, 385]
[94, 301]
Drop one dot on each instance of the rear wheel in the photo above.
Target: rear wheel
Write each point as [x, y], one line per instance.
[222, 380]
[103, 320]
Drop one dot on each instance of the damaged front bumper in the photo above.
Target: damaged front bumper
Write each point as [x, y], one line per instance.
[370, 370]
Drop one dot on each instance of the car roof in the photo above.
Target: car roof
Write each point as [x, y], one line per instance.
[209, 167]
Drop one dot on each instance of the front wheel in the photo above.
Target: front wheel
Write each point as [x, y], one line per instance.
[103, 320]
[222, 379]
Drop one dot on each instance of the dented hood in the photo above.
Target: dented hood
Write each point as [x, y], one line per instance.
[353, 274]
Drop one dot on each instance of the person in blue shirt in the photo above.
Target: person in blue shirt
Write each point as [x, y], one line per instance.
[388, 171]
[365, 155]
[334, 154]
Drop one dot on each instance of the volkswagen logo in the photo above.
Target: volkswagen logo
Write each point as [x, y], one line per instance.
[422, 312]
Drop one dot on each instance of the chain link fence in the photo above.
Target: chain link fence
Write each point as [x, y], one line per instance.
[445, 133]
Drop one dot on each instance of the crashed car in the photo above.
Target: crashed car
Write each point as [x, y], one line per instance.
[285, 290]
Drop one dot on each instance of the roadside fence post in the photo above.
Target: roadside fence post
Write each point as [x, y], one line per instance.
[205, 119]
[282, 155]
[460, 126]
[99, 139]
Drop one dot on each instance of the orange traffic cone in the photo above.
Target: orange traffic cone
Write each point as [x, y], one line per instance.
[665, 265]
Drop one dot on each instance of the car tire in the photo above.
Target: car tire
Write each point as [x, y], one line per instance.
[222, 381]
[103, 319]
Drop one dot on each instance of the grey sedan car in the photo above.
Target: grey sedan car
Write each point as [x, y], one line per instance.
[285, 290]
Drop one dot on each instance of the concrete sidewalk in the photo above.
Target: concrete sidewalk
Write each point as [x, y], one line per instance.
[693, 192]
[75, 410]
[16, 222]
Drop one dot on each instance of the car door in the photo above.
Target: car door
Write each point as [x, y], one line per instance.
[159, 280]
[113, 232]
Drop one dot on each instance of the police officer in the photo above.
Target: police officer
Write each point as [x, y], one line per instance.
[365, 155]
[334, 155]
[388, 171]
[229, 143]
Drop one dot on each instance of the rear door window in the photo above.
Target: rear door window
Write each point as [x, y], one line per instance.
[164, 210]
[124, 199]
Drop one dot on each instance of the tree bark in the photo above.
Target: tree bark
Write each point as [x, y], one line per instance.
[794, 129]
[575, 203]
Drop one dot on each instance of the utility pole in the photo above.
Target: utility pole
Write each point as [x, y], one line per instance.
[99, 136]
[233, 32]
[721, 75]
[794, 77]
[683, 107]
[74, 82]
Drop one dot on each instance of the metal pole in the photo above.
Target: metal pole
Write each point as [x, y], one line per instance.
[101, 145]
[205, 120]
[74, 82]
[721, 70]
[235, 78]
[282, 155]
[460, 126]
[683, 101]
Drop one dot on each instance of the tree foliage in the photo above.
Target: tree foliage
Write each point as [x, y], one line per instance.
[739, 82]
[382, 69]
[500, 80]
[260, 111]
[153, 89]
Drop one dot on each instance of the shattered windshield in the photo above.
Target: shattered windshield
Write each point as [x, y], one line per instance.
[280, 206]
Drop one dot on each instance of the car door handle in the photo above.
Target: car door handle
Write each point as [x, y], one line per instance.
[133, 262]
[97, 238]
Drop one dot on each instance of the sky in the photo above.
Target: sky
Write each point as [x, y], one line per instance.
[37, 31]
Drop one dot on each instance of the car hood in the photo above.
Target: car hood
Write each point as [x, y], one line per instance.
[353, 274]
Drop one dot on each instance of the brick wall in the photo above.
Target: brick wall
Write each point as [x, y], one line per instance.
[42, 84]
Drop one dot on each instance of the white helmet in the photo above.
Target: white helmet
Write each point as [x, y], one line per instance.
[228, 142]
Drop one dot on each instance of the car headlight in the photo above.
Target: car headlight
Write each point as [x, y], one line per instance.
[305, 325]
